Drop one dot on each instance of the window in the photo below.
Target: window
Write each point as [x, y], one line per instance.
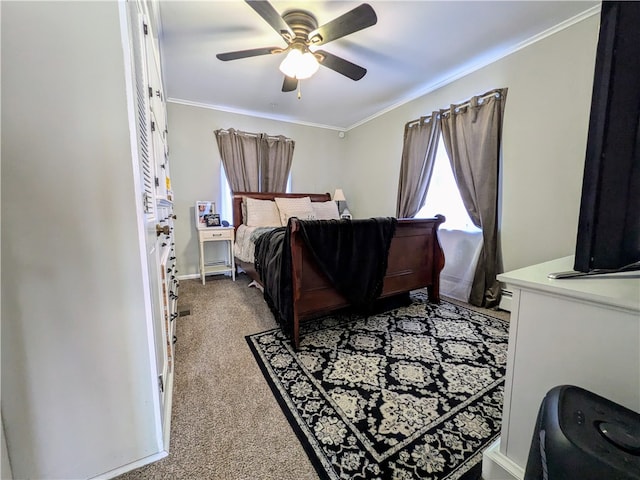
[443, 196]
[226, 204]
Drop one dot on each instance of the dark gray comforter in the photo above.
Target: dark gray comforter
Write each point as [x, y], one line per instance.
[351, 253]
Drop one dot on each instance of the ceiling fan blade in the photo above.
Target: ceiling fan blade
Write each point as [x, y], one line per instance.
[273, 18]
[289, 84]
[254, 52]
[340, 65]
[354, 20]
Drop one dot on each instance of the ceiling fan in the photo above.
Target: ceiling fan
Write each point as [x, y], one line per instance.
[299, 28]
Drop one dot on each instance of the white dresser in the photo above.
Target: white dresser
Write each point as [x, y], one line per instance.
[582, 331]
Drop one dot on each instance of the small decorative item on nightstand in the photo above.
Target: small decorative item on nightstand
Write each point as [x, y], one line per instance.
[212, 220]
[340, 199]
[203, 210]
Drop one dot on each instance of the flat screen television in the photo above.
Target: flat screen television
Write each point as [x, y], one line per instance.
[608, 236]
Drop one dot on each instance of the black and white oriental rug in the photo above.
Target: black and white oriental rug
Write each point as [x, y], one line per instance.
[414, 392]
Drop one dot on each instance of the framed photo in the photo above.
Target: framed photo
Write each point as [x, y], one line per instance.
[212, 220]
[203, 210]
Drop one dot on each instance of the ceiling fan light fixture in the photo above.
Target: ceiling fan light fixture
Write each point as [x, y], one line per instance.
[299, 65]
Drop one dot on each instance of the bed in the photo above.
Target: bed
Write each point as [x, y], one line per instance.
[415, 260]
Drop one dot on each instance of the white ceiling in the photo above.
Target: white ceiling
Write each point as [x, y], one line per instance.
[415, 47]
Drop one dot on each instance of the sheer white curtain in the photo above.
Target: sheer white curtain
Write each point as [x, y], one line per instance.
[226, 204]
[461, 240]
[443, 196]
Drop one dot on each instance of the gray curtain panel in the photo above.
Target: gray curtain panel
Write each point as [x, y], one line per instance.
[255, 162]
[472, 136]
[239, 153]
[276, 156]
[418, 155]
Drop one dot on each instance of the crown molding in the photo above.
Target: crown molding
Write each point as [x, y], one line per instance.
[415, 94]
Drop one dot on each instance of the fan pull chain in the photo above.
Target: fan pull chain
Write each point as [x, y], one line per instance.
[299, 90]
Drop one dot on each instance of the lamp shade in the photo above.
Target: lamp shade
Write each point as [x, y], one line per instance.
[338, 196]
[299, 65]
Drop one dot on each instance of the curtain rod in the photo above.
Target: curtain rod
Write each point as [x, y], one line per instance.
[481, 98]
[456, 107]
[255, 135]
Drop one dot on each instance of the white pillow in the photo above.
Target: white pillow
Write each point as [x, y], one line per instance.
[262, 213]
[326, 210]
[295, 207]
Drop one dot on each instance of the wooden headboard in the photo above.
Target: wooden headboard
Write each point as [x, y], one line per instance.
[238, 196]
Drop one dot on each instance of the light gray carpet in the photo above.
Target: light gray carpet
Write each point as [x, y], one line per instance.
[226, 423]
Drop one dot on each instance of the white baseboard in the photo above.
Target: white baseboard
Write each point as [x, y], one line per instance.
[188, 276]
[497, 466]
[191, 276]
[132, 466]
[505, 300]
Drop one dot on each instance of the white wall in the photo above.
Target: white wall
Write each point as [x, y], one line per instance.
[195, 165]
[77, 386]
[5, 463]
[544, 143]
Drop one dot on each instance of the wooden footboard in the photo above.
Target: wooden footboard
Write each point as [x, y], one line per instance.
[415, 261]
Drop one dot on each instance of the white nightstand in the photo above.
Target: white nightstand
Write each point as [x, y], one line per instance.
[217, 234]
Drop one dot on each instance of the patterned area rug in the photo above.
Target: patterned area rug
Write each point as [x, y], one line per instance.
[414, 392]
